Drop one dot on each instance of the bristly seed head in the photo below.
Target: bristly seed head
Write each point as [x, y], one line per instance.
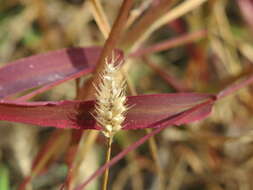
[110, 105]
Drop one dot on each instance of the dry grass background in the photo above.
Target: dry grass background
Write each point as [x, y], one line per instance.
[215, 154]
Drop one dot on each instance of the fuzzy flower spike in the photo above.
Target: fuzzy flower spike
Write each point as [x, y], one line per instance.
[110, 105]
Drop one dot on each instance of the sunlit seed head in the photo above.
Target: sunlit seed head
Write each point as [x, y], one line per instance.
[110, 96]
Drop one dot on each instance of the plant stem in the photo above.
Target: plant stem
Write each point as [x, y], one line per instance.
[87, 92]
[154, 153]
[108, 157]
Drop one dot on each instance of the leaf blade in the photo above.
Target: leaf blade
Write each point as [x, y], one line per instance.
[147, 111]
[46, 69]
[141, 141]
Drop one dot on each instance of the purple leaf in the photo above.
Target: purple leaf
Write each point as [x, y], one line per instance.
[62, 114]
[180, 118]
[47, 69]
[147, 111]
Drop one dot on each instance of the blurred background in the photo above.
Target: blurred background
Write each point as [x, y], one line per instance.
[212, 48]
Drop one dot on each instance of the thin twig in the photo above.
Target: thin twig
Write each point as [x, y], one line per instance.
[108, 157]
[134, 170]
[154, 153]
[171, 43]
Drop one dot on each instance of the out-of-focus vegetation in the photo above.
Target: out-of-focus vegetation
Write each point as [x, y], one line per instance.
[215, 154]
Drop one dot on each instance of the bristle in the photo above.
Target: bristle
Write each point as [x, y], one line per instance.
[110, 105]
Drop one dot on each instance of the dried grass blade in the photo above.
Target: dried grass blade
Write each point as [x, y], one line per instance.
[100, 17]
[136, 13]
[146, 20]
[57, 139]
[173, 14]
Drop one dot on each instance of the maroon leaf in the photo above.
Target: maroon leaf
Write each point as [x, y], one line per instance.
[199, 111]
[147, 111]
[180, 118]
[47, 69]
[62, 114]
